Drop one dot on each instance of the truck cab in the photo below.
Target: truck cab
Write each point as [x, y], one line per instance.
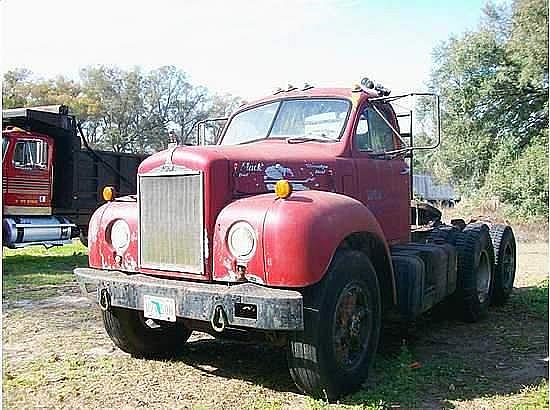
[52, 181]
[28, 163]
[27, 176]
[296, 225]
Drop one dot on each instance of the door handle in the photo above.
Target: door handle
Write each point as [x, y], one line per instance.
[405, 171]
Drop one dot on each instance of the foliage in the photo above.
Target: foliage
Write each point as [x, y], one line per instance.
[494, 88]
[124, 110]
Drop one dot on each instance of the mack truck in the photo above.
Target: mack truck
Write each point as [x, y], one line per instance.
[298, 229]
[52, 180]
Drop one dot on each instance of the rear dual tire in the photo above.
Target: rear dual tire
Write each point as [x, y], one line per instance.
[504, 244]
[475, 281]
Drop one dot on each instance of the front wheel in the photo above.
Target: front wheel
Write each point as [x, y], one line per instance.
[131, 332]
[342, 316]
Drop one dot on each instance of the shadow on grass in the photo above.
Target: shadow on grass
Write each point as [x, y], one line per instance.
[256, 362]
[435, 361]
[24, 271]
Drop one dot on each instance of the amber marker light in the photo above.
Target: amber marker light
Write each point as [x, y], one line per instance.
[283, 189]
[109, 193]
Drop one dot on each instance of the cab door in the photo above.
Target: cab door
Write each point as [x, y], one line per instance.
[382, 179]
[28, 174]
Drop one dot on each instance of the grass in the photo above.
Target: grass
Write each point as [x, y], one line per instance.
[63, 376]
[35, 267]
[401, 379]
[533, 397]
[46, 360]
[532, 300]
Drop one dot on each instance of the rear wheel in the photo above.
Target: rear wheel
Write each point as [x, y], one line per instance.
[141, 337]
[475, 280]
[342, 316]
[445, 234]
[504, 244]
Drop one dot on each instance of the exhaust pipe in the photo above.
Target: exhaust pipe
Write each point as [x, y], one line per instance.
[219, 319]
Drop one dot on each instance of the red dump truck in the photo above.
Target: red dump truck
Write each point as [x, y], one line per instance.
[297, 227]
[52, 180]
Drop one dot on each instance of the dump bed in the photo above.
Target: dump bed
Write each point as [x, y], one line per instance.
[80, 173]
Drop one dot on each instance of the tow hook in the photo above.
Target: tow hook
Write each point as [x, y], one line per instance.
[219, 319]
[104, 300]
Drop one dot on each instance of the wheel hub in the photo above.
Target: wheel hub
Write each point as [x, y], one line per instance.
[483, 277]
[508, 265]
[352, 326]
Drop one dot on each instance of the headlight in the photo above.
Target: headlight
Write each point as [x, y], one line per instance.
[242, 240]
[120, 235]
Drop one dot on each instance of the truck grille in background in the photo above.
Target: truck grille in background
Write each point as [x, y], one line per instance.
[171, 222]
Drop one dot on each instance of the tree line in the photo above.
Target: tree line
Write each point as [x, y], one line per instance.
[493, 83]
[123, 110]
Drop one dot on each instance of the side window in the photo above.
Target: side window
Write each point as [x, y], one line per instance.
[31, 154]
[373, 134]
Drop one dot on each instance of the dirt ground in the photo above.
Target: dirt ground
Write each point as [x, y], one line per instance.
[56, 354]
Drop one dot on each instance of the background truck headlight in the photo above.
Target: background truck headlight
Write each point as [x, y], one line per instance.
[242, 240]
[120, 235]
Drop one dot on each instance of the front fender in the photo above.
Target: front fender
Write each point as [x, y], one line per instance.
[297, 237]
[302, 233]
[252, 210]
[101, 254]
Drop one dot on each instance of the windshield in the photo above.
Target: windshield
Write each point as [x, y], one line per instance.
[319, 118]
[31, 154]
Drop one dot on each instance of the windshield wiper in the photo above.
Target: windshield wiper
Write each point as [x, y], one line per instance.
[250, 141]
[304, 138]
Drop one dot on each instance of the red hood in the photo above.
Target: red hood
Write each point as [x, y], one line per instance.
[254, 168]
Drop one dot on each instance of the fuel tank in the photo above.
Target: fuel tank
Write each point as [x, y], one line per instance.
[18, 232]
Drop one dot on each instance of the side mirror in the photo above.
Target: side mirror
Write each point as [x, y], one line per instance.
[419, 119]
[208, 131]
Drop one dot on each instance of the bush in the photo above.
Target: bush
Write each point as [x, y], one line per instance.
[521, 181]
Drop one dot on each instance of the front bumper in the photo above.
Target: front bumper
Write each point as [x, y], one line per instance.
[275, 309]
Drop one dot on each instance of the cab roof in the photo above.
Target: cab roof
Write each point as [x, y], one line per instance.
[312, 92]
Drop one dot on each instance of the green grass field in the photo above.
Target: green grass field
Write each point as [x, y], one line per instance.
[35, 271]
[499, 362]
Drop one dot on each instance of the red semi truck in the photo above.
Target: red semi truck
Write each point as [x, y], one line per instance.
[296, 227]
[52, 180]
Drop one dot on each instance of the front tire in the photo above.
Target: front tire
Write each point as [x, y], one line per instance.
[342, 317]
[144, 338]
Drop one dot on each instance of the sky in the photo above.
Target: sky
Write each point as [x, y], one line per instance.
[246, 48]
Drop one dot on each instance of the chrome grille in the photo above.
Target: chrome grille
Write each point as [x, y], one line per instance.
[171, 222]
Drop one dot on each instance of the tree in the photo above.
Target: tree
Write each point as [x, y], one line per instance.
[494, 88]
[123, 110]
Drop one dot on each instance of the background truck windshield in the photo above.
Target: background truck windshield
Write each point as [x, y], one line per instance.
[313, 118]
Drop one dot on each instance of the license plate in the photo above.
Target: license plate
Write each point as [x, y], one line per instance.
[156, 307]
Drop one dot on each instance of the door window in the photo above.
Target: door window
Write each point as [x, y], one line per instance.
[373, 133]
[31, 154]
